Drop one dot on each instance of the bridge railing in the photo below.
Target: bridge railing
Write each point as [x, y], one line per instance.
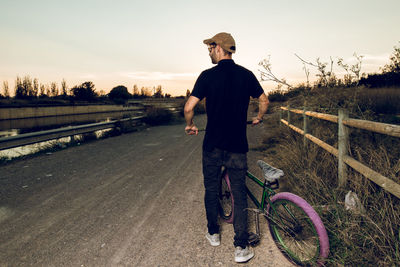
[341, 152]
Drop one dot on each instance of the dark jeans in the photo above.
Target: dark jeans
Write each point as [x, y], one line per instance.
[236, 164]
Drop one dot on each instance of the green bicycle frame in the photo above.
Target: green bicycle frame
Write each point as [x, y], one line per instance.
[279, 221]
[266, 194]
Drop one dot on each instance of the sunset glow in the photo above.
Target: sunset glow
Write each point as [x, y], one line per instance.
[151, 43]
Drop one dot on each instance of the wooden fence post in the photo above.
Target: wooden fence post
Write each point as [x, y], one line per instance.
[280, 117]
[305, 125]
[342, 146]
[288, 115]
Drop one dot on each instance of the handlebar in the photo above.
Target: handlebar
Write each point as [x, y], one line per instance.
[247, 122]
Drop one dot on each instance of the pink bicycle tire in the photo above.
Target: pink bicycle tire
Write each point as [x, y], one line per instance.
[315, 219]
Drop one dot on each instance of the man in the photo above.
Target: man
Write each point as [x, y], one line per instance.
[227, 89]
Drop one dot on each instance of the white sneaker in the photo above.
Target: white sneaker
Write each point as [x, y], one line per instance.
[243, 254]
[215, 239]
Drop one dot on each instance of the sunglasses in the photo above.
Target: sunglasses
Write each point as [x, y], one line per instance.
[210, 48]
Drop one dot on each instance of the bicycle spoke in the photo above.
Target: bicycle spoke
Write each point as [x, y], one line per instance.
[294, 231]
[225, 199]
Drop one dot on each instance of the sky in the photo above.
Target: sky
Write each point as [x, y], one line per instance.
[160, 42]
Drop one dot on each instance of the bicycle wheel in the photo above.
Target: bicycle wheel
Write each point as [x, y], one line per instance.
[226, 201]
[297, 229]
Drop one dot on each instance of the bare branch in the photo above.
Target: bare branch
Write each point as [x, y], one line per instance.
[267, 75]
[305, 62]
[306, 70]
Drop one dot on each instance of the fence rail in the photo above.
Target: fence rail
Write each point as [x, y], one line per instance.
[341, 153]
[383, 128]
[41, 136]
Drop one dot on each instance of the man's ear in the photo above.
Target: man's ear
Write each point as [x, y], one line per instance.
[218, 49]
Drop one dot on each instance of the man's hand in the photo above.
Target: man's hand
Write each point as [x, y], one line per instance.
[191, 130]
[256, 121]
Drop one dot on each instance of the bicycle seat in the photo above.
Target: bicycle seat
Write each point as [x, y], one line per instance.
[270, 173]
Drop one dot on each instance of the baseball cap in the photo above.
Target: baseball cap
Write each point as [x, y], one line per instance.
[223, 39]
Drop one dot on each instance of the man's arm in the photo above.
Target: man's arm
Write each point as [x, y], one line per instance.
[189, 114]
[263, 103]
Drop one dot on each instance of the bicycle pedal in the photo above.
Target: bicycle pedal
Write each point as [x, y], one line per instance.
[254, 239]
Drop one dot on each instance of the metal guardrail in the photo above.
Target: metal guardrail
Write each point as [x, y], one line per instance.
[341, 153]
[36, 137]
[15, 113]
[41, 136]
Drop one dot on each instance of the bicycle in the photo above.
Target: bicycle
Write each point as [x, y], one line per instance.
[294, 225]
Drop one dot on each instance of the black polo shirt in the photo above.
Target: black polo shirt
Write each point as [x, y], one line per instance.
[227, 88]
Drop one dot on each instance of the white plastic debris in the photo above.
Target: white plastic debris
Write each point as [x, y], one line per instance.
[353, 203]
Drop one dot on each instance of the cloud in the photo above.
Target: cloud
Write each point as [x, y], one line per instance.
[88, 76]
[370, 63]
[158, 76]
[377, 60]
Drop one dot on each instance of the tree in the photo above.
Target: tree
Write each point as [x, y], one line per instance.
[390, 75]
[24, 88]
[145, 92]
[48, 90]
[135, 91]
[28, 86]
[326, 78]
[394, 65]
[54, 89]
[158, 92]
[352, 75]
[19, 89]
[64, 88]
[6, 89]
[119, 93]
[102, 93]
[42, 91]
[86, 91]
[35, 91]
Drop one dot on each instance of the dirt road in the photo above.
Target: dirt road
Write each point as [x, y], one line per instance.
[131, 200]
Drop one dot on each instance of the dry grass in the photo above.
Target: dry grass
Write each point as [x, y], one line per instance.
[365, 238]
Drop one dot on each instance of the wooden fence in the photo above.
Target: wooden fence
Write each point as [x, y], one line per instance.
[344, 160]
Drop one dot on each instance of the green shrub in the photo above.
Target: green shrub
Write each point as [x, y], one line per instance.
[157, 116]
[277, 96]
[119, 94]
